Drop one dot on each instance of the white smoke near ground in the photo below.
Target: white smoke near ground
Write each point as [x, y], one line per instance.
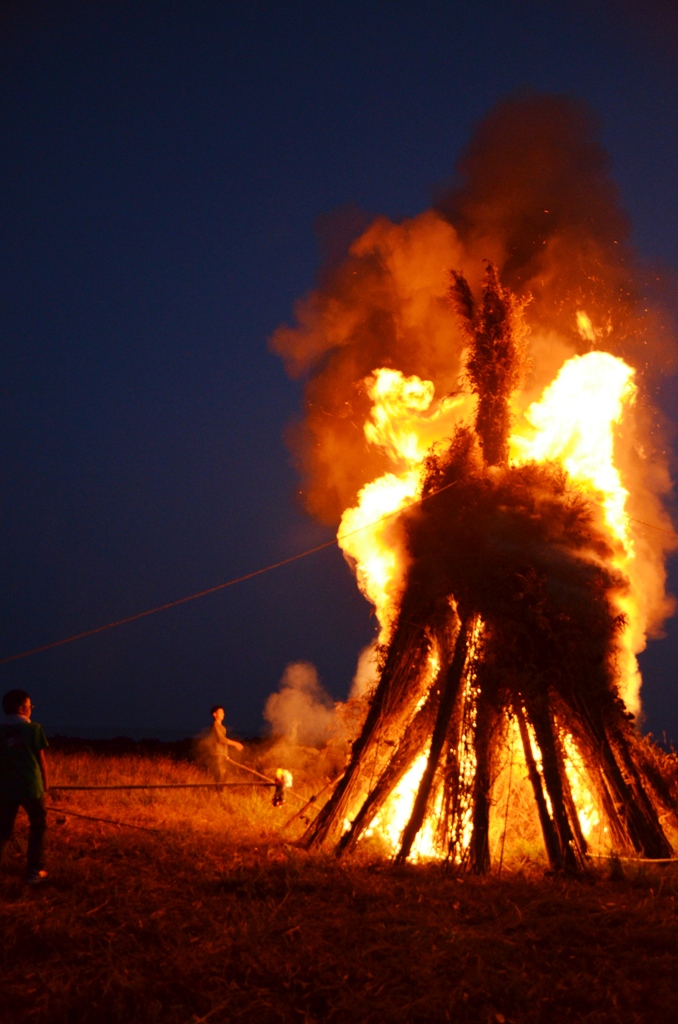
[367, 672]
[301, 711]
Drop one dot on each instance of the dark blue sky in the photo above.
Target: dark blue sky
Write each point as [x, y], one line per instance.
[164, 168]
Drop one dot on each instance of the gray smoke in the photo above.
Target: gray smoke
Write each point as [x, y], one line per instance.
[301, 711]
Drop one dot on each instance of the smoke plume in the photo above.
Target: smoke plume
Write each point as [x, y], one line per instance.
[301, 711]
[533, 195]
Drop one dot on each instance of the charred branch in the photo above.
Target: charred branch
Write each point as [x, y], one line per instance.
[551, 843]
[495, 330]
[557, 785]
[393, 703]
[410, 747]
[451, 687]
[487, 720]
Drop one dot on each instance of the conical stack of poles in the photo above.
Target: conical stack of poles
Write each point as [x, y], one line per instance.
[506, 617]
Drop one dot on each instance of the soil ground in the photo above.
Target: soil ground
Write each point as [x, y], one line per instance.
[217, 916]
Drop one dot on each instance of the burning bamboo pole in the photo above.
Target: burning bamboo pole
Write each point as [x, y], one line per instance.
[553, 849]
[398, 690]
[452, 683]
[488, 719]
[413, 741]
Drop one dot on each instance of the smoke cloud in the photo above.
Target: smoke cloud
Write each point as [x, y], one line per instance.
[301, 712]
[534, 195]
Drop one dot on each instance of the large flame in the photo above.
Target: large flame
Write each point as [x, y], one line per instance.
[405, 420]
[575, 423]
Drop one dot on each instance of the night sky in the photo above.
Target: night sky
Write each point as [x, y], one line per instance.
[170, 175]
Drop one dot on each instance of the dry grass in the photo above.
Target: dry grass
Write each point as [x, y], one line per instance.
[218, 917]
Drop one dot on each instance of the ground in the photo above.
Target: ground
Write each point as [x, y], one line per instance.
[218, 916]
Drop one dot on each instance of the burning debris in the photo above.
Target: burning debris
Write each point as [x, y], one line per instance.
[512, 590]
[283, 781]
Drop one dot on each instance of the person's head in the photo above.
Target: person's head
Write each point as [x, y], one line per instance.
[218, 713]
[17, 702]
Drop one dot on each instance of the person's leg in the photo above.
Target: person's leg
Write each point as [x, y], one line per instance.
[37, 817]
[8, 813]
[218, 768]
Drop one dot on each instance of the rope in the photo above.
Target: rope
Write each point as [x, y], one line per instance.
[252, 771]
[219, 586]
[108, 821]
[268, 783]
[164, 607]
[166, 785]
[260, 572]
[634, 860]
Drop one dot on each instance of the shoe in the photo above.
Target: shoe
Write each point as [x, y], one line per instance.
[36, 877]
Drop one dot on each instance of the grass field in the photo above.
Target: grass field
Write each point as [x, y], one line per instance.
[217, 916]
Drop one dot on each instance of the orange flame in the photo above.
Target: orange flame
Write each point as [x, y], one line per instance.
[574, 423]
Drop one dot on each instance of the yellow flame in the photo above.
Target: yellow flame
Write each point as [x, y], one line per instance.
[397, 809]
[587, 811]
[398, 402]
[375, 544]
[404, 422]
[574, 423]
[585, 327]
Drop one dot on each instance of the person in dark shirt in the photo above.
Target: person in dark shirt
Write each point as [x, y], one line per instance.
[23, 778]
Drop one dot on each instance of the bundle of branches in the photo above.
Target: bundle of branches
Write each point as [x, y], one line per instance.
[495, 329]
[508, 614]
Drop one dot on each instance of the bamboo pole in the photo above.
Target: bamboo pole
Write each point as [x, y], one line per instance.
[448, 698]
[555, 783]
[409, 748]
[551, 843]
[486, 719]
[398, 685]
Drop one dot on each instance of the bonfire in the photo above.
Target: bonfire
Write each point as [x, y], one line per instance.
[487, 450]
[509, 619]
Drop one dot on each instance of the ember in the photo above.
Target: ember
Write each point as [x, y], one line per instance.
[513, 590]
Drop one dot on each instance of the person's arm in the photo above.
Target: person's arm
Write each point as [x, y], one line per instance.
[43, 768]
[234, 743]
